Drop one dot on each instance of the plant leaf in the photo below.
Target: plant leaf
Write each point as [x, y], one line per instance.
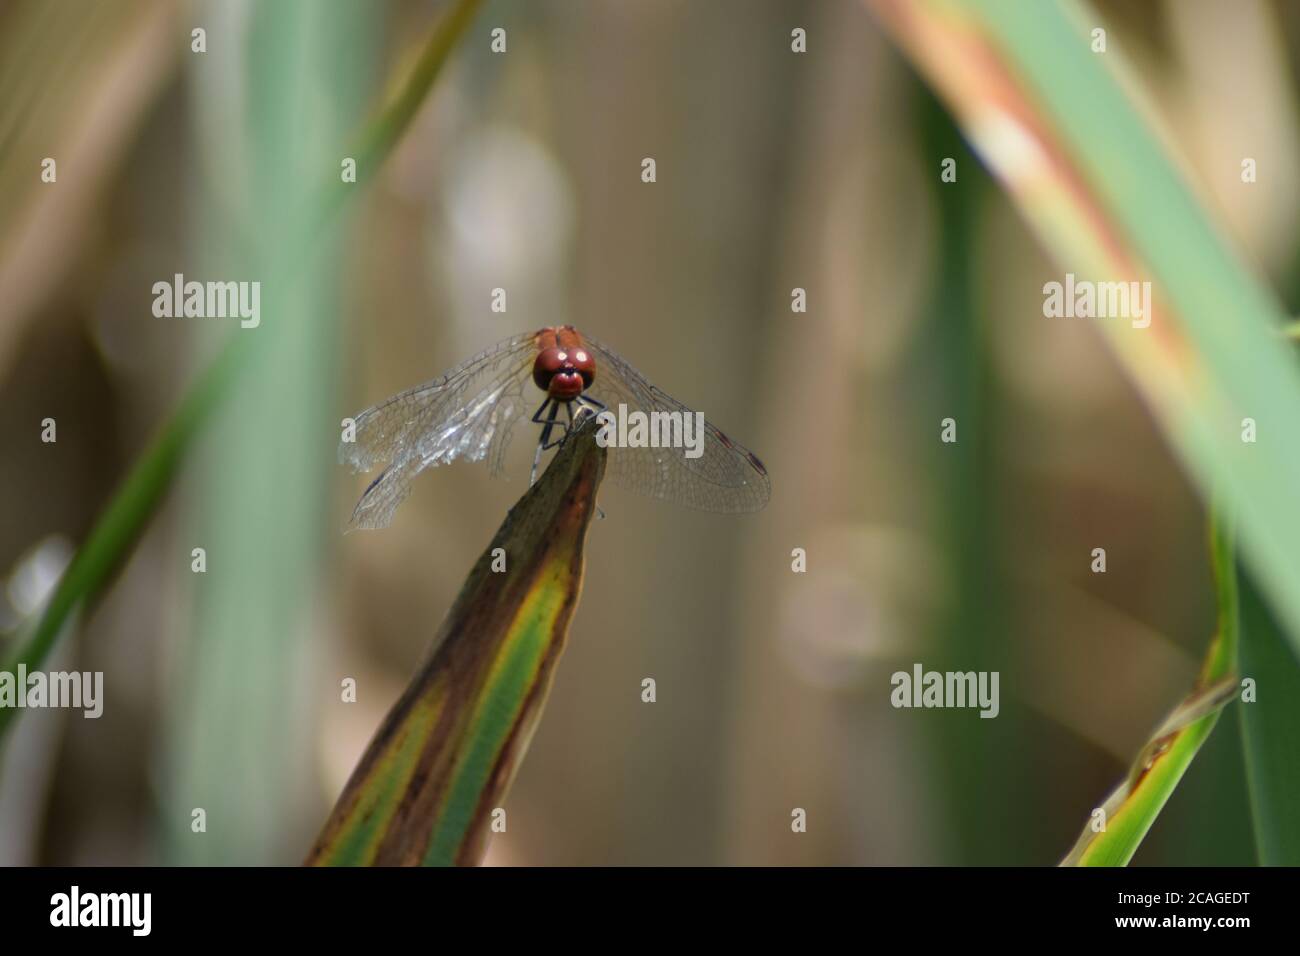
[1133, 806]
[1270, 727]
[131, 506]
[1057, 123]
[444, 756]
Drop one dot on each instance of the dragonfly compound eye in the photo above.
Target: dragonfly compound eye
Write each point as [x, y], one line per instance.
[563, 373]
[546, 365]
[584, 365]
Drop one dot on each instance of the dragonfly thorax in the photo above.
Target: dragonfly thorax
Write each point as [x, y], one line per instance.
[564, 373]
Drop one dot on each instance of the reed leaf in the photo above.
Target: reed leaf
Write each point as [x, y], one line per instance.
[1064, 130]
[1270, 727]
[1060, 127]
[443, 758]
[138, 497]
[1132, 807]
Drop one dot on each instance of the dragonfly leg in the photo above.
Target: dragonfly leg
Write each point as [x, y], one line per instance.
[548, 423]
[552, 423]
[547, 402]
[537, 415]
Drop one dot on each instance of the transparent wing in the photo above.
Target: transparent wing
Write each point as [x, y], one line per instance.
[468, 413]
[726, 478]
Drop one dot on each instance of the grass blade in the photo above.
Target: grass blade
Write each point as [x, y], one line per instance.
[447, 751]
[1054, 121]
[1133, 806]
[149, 478]
[124, 518]
[1270, 727]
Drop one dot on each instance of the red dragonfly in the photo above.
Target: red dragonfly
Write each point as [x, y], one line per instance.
[471, 411]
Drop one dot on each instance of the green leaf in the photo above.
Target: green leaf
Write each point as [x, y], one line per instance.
[131, 506]
[1060, 126]
[1270, 729]
[118, 527]
[1132, 807]
[1056, 122]
[444, 756]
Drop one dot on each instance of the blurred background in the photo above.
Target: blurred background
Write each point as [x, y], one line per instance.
[522, 170]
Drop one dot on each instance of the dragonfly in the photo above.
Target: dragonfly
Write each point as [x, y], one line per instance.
[470, 413]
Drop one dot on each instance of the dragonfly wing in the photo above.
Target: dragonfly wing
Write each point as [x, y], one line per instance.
[468, 413]
[726, 477]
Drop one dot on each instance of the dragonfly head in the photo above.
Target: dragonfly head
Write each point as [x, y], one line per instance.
[564, 373]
